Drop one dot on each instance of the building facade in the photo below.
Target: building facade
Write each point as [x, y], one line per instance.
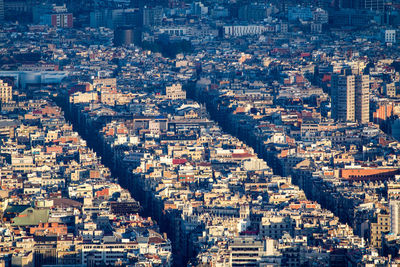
[5, 92]
[350, 98]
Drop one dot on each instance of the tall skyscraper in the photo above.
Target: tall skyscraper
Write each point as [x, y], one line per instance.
[350, 98]
[394, 206]
[362, 98]
[343, 97]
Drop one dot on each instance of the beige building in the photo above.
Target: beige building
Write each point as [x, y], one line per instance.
[86, 97]
[362, 98]
[22, 259]
[5, 92]
[174, 92]
[392, 89]
[350, 98]
[394, 206]
[379, 228]
[107, 84]
[22, 162]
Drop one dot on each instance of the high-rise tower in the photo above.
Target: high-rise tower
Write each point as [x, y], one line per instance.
[350, 98]
[394, 206]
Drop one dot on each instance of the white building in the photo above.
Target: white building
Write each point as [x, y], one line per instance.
[241, 30]
[390, 36]
[248, 251]
[99, 253]
[174, 31]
